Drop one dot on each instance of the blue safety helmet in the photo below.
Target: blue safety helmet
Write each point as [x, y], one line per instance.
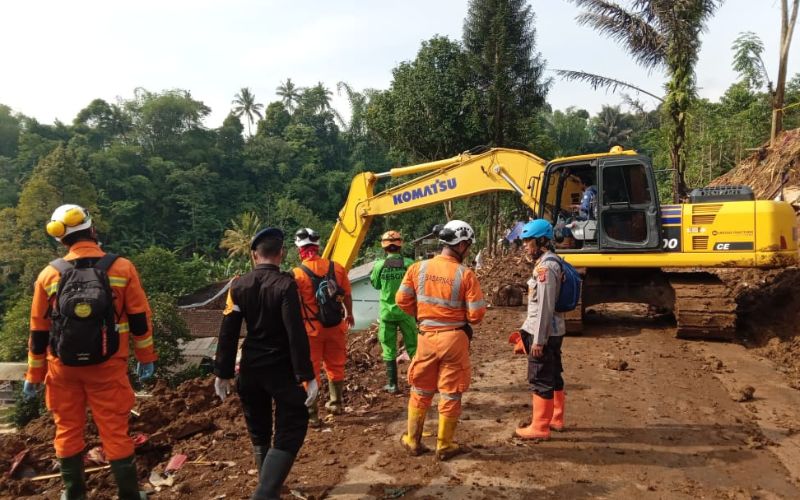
[538, 228]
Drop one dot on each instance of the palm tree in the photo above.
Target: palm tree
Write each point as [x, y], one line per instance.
[610, 127]
[659, 34]
[245, 104]
[317, 98]
[237, 239]
[289, 94]
[359, 101]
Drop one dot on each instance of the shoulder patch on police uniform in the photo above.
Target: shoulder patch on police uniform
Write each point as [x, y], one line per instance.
[541, 274]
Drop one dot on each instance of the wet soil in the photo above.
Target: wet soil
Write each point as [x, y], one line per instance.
[665, 427]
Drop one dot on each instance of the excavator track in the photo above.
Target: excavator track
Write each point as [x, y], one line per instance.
[704, 306]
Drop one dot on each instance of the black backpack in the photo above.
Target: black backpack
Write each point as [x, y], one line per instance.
[83, 328]
[328, 296]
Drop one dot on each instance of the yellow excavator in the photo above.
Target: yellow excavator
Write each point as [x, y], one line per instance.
[632, 248]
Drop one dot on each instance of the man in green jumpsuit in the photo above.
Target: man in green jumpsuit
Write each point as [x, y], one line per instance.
[386, 277]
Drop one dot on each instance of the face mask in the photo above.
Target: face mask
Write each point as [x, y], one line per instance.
[308, 252]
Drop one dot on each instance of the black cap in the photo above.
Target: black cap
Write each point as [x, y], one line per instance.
[267, 232]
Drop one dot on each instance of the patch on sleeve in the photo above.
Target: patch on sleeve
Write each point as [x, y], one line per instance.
[230, 306]
[541, 274]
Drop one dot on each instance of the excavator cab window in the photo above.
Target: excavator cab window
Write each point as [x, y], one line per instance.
[627, 204]
[608, 203]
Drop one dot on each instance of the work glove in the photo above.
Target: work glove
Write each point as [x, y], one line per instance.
[30, 390]
[312, 389]
[145, 370]
[222, 386]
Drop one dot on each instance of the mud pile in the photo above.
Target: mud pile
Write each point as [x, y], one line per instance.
[769, 314]
[191, 420]
[498, 274]
[765, 169]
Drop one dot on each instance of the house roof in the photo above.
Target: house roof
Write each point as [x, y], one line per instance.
[360, 272]
[12, 371]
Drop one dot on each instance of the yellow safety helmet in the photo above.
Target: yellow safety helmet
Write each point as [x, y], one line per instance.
[391, 238]
[68, 219]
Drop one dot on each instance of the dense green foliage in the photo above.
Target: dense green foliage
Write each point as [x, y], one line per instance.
[163, 188]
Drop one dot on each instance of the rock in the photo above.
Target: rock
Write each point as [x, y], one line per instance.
[744, 394]
[508, 295]
[617, 364]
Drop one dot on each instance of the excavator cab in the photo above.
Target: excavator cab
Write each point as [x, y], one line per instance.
[602, 204]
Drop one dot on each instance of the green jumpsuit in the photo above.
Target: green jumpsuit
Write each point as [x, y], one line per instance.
[386, 276]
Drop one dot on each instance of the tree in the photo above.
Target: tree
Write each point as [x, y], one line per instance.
[747, 61]
[245, 104]
[500, 37]
[787, 29]
[658, 34]
[610, 127]
[9, 132]
[501, 40]
[289, 94]
[162, 120]
[431, 108]
[316, 99]
[237, 239]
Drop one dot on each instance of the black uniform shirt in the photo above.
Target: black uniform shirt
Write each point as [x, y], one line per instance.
[267, 300]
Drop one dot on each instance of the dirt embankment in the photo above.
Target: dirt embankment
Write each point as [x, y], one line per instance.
[769, 167]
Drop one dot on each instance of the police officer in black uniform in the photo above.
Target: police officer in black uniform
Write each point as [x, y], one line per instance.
[275, 361]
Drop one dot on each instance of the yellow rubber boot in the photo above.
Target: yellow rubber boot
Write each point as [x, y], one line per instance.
[412, 440]
[557, 423]
[445, 447]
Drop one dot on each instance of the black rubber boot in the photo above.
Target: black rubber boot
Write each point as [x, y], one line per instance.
[391, 376]
[74, 478]
[259, 452]
[335, 402]
[124, 471]
[277, 465]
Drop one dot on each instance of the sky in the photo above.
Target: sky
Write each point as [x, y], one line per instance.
[58, 56]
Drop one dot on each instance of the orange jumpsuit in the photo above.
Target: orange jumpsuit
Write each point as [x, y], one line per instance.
[444, 296]
[328, 345]
[105, 386]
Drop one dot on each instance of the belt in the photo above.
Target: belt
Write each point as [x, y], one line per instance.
[434, 332]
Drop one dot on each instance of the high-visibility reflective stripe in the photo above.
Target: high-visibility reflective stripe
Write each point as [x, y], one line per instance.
[433, 322]
[35, 363]
[480, 304]
[51, 288]
[119, 281]
[426, 299]
[407, 290]
[141, 344]
[455, 396]
[422, 392]
[123, 327]
[454, 294]
[423, 268]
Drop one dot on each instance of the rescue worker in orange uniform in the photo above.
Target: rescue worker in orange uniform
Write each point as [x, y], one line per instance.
[73, 384]
[445, 297]
[328, 345]
[542, 334]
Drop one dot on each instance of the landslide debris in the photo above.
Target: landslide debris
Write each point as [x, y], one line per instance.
[190, 420]
[768, 300]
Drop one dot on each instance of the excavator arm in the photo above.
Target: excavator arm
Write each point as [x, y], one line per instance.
[444, 180]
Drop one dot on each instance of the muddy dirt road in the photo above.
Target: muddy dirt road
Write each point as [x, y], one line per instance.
[665, 427]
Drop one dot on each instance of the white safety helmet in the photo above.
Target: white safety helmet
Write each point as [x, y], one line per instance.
[68, 219]
[456, 231]
[306, 236]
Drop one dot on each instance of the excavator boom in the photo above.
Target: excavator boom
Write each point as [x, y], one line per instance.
[444, 180]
